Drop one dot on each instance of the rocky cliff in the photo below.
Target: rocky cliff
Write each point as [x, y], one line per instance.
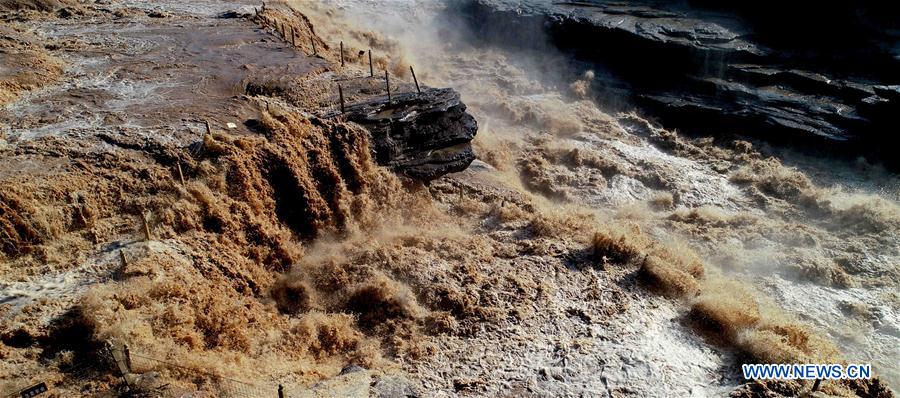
[782, 72]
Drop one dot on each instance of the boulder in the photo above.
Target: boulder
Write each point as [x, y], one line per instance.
[423, 136]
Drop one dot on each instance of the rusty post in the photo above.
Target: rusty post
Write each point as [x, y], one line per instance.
[387, 82]
[312, 39]
[291, 31]
[371, 71]
[414, 79]
[342, 54]
[341, 95]
[146, 224]
[208, 127]
[123, 259]
[180, 174]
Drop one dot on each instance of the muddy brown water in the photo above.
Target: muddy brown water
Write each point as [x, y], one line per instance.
[158, 73]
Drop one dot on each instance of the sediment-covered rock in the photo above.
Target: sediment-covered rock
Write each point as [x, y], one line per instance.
[423, 136]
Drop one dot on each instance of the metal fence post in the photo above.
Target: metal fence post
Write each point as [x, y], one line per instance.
[414, 79]
[146, 223]
[127, 357]
[180, 174]
[387, 82]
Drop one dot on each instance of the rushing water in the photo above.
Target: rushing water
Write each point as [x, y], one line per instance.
[785, 252]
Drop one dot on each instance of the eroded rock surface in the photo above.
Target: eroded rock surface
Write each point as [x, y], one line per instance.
[778, 71]
[422, 135]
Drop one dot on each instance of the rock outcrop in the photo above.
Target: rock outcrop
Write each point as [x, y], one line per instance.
[780, 71]
[423, 136]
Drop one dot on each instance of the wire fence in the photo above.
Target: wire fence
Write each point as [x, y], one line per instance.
[331, 106]
[75, 373]
[206, 381]
[131, 366]
[138, 372]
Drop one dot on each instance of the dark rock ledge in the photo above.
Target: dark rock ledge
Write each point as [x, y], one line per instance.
[423, 136]
[785, 72]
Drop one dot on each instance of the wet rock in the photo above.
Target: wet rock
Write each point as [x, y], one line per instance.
[637, 18]
[242, 12]
[726, 67]
[423, 136]
[65, 13]
[745, 105]
[891, 93]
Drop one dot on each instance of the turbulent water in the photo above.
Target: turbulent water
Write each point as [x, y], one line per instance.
[817, 237]
[588, 251]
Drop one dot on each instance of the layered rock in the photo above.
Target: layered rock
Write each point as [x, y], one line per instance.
[780, 71]
[423, 136]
